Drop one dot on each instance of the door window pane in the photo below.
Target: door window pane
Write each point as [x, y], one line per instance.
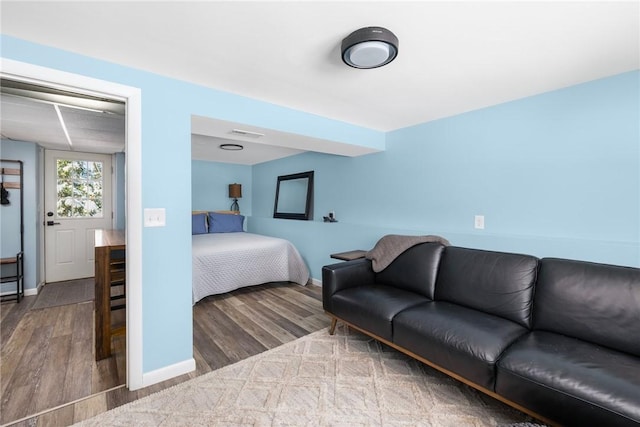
[79, 184]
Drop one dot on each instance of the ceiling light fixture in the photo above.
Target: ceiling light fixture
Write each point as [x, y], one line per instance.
[54, 103]
[369, 47]
[64, 126]
[231, 147]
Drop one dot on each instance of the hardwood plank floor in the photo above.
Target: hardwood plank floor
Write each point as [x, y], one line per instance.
[47, 359]
[226, 328]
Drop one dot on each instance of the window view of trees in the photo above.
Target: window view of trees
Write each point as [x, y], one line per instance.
[79, 188]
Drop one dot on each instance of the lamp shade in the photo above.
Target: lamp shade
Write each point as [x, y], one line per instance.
[235, 191]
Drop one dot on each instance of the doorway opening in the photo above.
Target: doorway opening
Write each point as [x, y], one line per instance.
[31, 74]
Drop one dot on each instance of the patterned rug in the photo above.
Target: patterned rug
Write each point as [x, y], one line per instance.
[318, 380]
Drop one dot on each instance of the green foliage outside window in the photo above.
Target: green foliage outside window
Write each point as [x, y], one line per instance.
[79, 186]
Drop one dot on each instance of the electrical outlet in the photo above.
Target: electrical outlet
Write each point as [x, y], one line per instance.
[155, 217]
[479, 222]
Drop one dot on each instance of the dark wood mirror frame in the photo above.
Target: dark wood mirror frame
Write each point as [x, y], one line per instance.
[294, 196]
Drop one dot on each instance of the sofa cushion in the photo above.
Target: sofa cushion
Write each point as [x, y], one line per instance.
[493, 282]
[598, 303]
[414, 270]
[571, 381]
[465, 341]
[372, 307]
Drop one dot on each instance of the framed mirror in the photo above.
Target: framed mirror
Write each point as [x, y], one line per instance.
[294, 196]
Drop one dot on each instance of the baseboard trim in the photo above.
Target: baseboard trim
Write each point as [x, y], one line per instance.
[33, 291]
[26, 293]
[168, 372]
[315, 282]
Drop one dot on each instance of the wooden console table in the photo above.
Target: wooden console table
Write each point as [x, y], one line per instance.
[110, 286]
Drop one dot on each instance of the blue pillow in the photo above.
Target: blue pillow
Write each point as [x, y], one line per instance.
[225, 223]
[199, 223]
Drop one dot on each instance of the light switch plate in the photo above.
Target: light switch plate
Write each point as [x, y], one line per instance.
[478, 222]
[155, 217]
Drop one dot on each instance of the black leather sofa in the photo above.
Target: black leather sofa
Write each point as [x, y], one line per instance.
[556, 338]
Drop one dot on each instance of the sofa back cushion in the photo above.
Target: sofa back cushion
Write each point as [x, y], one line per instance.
[414, 270]
[496, 283]
[597, 303]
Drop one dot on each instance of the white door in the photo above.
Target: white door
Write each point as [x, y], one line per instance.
[77, 201]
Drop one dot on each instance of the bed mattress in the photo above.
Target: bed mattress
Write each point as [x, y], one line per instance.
[223, 262]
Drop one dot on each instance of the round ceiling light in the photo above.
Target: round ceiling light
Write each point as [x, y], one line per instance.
[231, 147]
[369, 47]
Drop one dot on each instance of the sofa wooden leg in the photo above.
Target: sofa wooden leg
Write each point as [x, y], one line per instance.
[332, 328]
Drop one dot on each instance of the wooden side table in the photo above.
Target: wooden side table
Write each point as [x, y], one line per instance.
[349, 255]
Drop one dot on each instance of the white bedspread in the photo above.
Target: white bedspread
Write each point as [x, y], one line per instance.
[223, 262]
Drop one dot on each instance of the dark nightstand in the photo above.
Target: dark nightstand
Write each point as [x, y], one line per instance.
[349, 255]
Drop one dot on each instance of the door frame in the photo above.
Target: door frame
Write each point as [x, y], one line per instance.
[22, 71]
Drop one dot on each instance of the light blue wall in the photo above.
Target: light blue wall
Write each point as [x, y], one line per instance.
[210, 186]
[10, 214]
[167, 106]
[555, 175]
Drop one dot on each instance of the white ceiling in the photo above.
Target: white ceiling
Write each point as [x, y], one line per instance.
[453, 56]
[61, 120]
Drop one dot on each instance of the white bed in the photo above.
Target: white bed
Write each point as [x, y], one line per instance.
[223, 262]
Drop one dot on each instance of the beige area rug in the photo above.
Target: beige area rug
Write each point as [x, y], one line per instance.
[63, 293]
[318, 380]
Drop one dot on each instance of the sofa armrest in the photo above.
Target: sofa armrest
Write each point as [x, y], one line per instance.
[343, 275]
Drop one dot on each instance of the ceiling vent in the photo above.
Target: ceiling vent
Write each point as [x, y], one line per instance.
[247, 133]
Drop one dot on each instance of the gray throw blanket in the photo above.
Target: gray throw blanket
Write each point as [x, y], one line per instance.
[392, 245]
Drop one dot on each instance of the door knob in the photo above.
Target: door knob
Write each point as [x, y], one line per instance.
[50, 223]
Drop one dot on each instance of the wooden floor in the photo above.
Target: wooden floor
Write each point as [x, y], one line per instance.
[47, 357]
